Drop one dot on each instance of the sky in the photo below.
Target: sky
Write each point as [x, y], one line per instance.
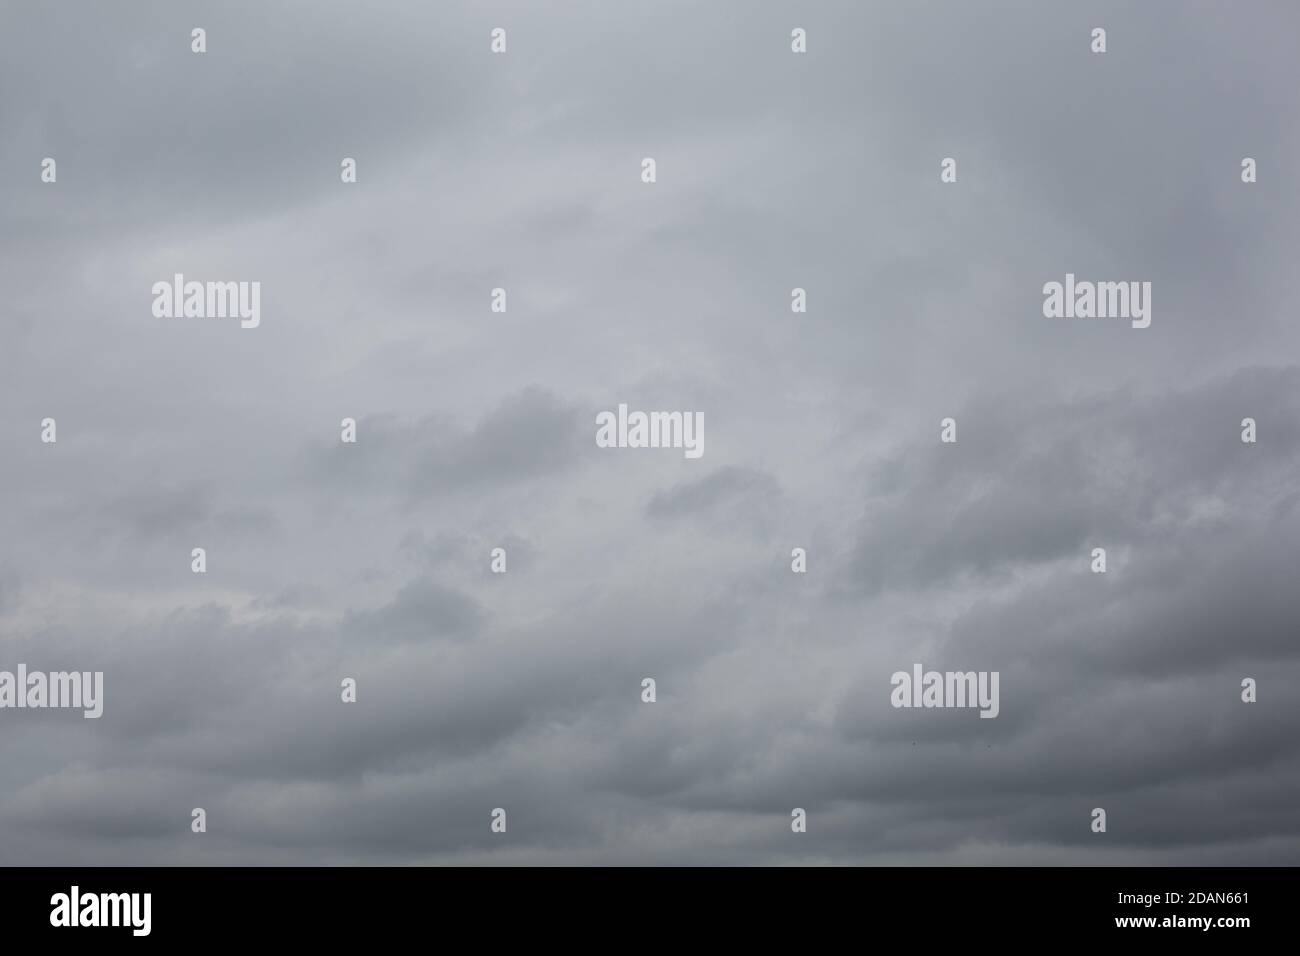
[476, 430]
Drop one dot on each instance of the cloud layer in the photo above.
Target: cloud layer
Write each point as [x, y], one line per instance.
[476, 431]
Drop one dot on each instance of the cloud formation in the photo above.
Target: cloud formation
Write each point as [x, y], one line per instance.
[476, 430]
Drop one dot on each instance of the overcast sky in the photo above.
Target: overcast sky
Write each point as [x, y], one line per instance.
[476, 430]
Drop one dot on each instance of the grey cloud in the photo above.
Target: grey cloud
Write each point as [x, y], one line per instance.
[530, 434]
[729, 489]
[420, 610]
[1117, 470]
[521, 690]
